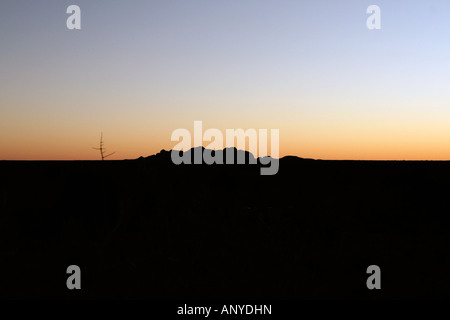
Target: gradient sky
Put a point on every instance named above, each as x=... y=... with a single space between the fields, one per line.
x=137 y=70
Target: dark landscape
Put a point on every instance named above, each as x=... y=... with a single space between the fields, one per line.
x=146 y=228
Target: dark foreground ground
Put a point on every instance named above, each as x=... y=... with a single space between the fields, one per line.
x=149 y=229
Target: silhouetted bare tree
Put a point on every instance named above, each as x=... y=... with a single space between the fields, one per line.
x=102 y=149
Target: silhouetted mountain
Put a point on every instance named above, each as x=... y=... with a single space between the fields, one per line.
x=165 y=156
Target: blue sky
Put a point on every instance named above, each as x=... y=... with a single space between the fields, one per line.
x=137 y=70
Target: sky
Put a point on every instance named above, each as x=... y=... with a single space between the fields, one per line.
x=138 y=70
